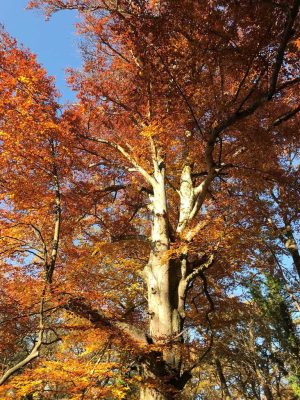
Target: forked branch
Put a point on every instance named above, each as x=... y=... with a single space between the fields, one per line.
x=128 y=157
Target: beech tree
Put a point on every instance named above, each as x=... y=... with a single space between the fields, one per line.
x=133 y=214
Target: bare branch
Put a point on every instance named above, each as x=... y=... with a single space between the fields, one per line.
x=181 y=92
x=287 y=33
x=286 y=116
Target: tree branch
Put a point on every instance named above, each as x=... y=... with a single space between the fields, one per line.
x=197 y=271
x=36 y=348
x=57 y=215
x=99 y=320
x=121 y=150
x=287 y=33
x=286 y=116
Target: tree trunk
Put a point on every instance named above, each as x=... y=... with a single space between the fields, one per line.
x=292 y=247
x=168 y=280
x=161 y=371
x=222 y=378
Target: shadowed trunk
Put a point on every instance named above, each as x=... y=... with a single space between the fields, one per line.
x=222 y=378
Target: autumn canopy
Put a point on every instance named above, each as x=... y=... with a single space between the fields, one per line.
x=149 y=231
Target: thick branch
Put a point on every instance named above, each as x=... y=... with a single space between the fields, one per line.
x=201 y=190
x=125 y=237
x=286 y=116
x=222 y=378
x=241 y=114
x=287 y=33
x=31 y=356
x=128 y=157
x=187 y=280
x=57 y=222
x=99 y=320
x=36 y=348
x=197 y=271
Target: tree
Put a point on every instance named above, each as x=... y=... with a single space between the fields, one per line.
x=251 y=357
x=30 y=192
x=160 y=166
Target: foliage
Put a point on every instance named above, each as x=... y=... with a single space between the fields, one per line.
x=149 y=231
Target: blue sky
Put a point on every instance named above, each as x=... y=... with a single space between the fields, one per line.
x=54 y=41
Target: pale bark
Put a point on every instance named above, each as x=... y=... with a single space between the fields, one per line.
x=191 y=199
x=168 y=281
x=35 y=351
x=165 y=321
x=291 y=245
x=148 y=393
